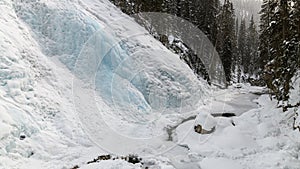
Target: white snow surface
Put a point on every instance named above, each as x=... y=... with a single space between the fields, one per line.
x=43 y=46
x=262 y=137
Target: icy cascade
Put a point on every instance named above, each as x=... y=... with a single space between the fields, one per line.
x=141 y=87
x=39 y=127
x=61 y=32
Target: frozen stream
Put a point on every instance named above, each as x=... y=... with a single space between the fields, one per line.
x=237 y=101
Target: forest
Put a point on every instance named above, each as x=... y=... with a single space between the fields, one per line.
x=263 y=53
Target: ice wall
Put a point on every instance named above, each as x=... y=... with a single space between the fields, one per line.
x=139 y=86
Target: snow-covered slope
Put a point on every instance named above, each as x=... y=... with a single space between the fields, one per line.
x=79 y=79
x=35 y=101
x=44 y=46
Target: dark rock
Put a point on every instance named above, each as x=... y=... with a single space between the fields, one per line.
x=223 y=114
x=228 y=114
x=75 y=167
x=133 y=159
x=100 y=158
x=198 y=129
x=22 y=136
x=130 y=158
x=104 y=157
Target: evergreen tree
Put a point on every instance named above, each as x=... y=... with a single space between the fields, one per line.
x=201 y=13
x=252 y=47
x=242 y=48
x=207 y=12
x=225 y=40
x=267 y=10
x=236 y=62
x=295 y=30
x=283 y=35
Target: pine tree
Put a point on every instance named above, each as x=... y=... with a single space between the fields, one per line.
x=237 y=27
x=207 y=18
x=236 y=73
x=283 y=35
x=242 y=47
x=216 y=24
x=225 y=39
x=295 y=30
x=252 y=47
x=267 y=10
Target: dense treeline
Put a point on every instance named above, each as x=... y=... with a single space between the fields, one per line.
x=202 y=13
x=279 y=44
x=269 y=55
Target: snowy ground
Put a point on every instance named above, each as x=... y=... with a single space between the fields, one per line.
x=39 y=46
x=262 y=136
